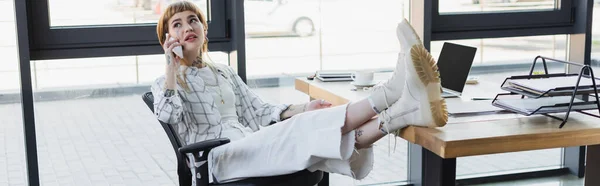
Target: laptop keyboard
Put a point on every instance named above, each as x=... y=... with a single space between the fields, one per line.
x=446 y=94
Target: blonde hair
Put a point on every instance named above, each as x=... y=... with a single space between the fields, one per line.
x=162 y=27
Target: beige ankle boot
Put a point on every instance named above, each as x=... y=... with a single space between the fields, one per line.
x=421 y=103
x=386 y=94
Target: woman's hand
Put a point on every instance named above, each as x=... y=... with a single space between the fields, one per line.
x=317 y=104
x=300 y=108
x=172 y=62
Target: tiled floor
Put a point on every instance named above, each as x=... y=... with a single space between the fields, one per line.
x=117 y=141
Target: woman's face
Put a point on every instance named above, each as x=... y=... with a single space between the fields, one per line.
x=187 y=28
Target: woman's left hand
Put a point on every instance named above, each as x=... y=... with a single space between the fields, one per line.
x=317 y=104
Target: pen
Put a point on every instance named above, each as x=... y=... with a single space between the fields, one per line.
x=479 y=98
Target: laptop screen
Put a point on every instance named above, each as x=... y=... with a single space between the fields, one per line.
x=454 y=65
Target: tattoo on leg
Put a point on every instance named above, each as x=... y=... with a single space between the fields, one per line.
x=359 y=132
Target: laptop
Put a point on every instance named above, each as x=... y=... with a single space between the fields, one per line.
x=454 y=65
x=331 y=76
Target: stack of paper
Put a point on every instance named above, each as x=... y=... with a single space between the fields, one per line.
x=531 y=105
x=541 y=85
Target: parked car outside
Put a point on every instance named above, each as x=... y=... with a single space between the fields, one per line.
x=281 y=17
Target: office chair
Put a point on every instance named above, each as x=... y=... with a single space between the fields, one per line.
x=301 y=178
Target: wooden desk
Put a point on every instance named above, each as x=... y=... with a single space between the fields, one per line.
x=478 y=135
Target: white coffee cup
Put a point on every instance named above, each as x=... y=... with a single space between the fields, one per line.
x=362 y=77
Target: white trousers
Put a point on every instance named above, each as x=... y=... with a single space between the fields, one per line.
x=311 y=140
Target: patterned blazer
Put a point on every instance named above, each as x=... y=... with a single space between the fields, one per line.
x=194 y=113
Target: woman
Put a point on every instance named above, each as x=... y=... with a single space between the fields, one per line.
x=206 y=101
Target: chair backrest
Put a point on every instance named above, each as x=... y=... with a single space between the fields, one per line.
x=185 y=176
x=149 y=100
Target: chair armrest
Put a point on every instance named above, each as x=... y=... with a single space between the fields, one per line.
x=203 y=145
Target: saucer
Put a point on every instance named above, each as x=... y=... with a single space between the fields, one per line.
x=370 y=84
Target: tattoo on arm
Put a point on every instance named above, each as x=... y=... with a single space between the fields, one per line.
x=168 y=59
x=293 y=110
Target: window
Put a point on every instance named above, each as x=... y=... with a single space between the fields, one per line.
x=62 y=12
x=595 y=56
x=12 y=158
x=287 y=39
x=467 y=6
x=366 y=40
x=82 y=70
x=464 y=22
x=504 y=163
x=92 y=125
x=107 y=30
x=92 y=73
x=283 y=37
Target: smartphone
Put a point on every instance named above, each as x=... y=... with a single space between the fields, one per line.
x=177 y=50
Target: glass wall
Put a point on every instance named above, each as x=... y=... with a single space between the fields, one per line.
x=12 y=146
x=596 y=39
x=96 y=72
x=294 y=38
x=495 y=60
x=346 y=41
x=493 y=52
x=282 y=37
x=300 y=37
x=93 y=126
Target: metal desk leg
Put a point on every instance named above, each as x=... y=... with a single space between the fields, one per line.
x=438 y=171
x=592 y=167
x=574 y=158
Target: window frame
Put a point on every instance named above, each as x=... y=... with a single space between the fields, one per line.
x=60 y=42
x=462 y=25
